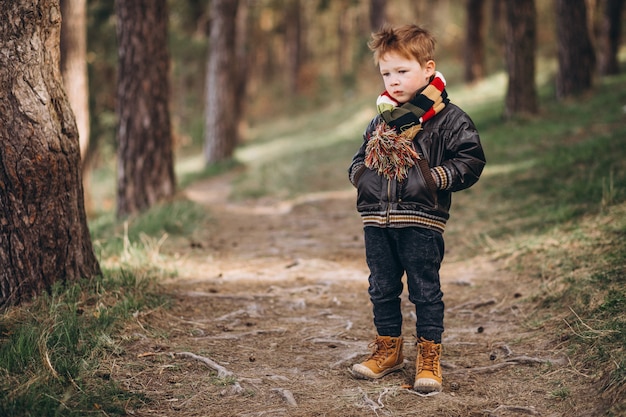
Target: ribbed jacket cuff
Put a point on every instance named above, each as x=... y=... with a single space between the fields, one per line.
x=355 y=172
x=442 y=177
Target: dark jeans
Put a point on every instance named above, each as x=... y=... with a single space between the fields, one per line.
x=418 y=252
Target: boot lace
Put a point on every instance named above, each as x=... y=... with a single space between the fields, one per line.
x=380 y=349
x=429 y=356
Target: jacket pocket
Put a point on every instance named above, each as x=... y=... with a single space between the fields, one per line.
x=419 y=187
x=369 y=190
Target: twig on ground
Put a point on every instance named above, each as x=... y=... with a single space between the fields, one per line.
x=369 y=402
x=515 y=408
x=380 y=397
x=287 y=396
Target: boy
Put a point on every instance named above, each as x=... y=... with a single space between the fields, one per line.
x=415 y=153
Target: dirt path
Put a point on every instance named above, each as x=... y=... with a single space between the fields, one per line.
x=276 y=294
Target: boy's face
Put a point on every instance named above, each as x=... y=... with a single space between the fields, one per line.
x=403 y=76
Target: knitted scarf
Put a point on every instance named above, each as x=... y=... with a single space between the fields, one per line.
x=390 y=149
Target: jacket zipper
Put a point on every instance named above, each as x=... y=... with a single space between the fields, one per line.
x=388 y=201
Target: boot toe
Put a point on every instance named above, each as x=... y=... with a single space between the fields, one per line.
x=427 y=385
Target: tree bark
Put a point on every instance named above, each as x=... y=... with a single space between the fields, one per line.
x=145 y=150
x=221 y=119
x=609 y=36
x=44 y=236
x=575 y=53
x=521 y=40
x=474 y=42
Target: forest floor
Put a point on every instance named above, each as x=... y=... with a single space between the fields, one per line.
x=273 y=295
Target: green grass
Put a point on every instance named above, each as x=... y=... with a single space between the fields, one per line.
x=51 y=348
x=138 y=240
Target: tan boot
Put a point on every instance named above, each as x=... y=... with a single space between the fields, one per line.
x=427 y=367
x=386 y=357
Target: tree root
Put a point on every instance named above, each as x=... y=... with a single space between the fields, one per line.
x=221 y=371
x=518 y=360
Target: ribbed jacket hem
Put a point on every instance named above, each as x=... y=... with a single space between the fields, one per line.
x=404 y=218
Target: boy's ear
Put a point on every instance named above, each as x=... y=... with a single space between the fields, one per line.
x=430 y=67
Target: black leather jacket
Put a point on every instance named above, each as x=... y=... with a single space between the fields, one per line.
x=452 y=160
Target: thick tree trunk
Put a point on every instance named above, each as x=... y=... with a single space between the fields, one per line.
x=575 y=52
x=610 y=32
x=44 y=236
x=474 y=42
x=221 y=118
x=145 y=150
x=521 y=39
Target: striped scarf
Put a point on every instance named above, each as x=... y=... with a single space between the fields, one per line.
x=390 y=149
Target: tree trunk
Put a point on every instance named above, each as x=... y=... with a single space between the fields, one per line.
x=377 y=14
x=575 y=52
x=44 y=236
x=521 y=39
x=74 y=65
x=474 y=42
x=75 y=78
x=220 y=116
x=145 y=155
x=244 y=24
x=293 y=42
x=609 y=38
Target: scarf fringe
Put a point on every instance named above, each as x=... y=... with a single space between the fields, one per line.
x=390 y=153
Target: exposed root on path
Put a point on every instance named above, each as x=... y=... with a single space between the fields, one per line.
x=221 y=371
x=518 y=360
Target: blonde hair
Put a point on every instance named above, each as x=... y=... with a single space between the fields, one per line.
x=409 y=41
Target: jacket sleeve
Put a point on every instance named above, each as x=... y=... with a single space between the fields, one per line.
x=464 y=160
x=357 y=166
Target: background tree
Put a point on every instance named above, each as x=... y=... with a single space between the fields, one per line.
x=145 y=148
x=574 y=49
x=221 y=119
x=293 y=35
x=474 y=42
x=521 y=40
x=377 y=14
x=43 y=227
x=74 y=65
x=609 y=36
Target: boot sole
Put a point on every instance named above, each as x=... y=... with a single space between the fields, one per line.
x=426 y=385
x=363 y=372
